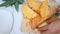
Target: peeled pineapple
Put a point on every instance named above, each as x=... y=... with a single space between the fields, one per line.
x=46 y=10
x=28 y=12
x=34 y=4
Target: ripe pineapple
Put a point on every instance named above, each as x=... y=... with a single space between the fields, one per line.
x=28 y=12
x=34 y=5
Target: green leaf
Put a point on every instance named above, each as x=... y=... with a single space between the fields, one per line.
x=21 y=1
x=6 y=0
x=11 y=3
x=17 y=6
x=4 y=4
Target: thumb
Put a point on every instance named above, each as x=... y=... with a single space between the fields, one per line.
x=42 y=29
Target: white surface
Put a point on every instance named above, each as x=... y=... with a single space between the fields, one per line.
x=6 y=21
x=17 y=21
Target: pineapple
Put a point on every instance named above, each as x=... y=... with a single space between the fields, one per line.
x=35 y=5
x=28 y=12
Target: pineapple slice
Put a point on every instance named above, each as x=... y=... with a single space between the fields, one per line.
x=27 y=12
x=34 y=4
x=35 y=21
x=44 y=11
x=43 y=24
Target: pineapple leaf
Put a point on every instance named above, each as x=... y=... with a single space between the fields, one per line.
x=17 y=6
x=11 y=3
x=4 y=4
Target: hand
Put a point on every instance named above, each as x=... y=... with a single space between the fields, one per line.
x=53 y=28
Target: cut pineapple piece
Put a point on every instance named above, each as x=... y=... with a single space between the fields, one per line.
x=44 y=11
x=43 y=24
x=47 y=8
x=35 y=21
x=34 y=4
x=27 y=12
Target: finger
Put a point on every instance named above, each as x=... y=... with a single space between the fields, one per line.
x=42 y=29
x=58 y=8
x=49 y=21
x=46 y=28
x=51 y=32
x=52 y=19
x=53 y=28
x=47 y=32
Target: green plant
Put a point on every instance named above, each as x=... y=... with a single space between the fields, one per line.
x=16 y=3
